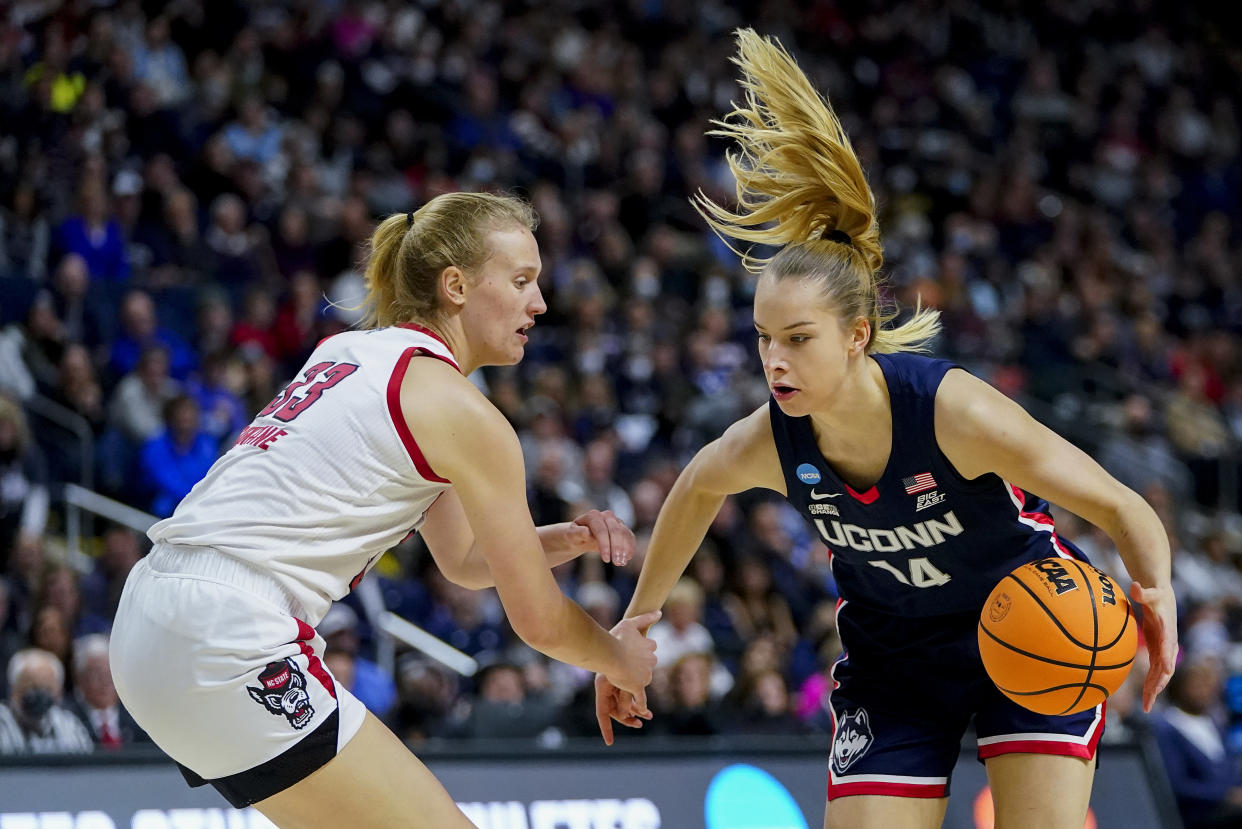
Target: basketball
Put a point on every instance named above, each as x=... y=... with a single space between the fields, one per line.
x=1057 y=636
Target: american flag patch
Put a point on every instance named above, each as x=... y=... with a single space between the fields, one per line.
x=918 y=483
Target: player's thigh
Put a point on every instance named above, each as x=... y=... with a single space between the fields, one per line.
x=374 y=781
x=870 y=811
x=1046 y=790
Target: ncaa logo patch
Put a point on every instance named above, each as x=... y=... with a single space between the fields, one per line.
x=284 y=692
x=852 y=740
x=809 y=474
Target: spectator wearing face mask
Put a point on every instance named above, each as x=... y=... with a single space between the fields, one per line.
x=34 y=721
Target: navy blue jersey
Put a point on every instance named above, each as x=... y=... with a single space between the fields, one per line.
x=924 y=541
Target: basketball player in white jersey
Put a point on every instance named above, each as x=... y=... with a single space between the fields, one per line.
x=214 y=649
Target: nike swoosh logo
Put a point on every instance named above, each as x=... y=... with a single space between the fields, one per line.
x=819 y=497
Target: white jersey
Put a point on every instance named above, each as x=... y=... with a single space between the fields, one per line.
x=326 y=478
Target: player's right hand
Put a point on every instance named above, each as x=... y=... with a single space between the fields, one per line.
x=611 y=703
x=637 y=657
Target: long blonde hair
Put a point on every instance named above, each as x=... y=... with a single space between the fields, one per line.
x=800 y=186
x=409 y=251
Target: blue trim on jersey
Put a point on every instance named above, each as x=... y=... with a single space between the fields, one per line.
x=924 y=541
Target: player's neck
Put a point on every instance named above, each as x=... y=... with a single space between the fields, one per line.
x=451 y=333
x=861 y=415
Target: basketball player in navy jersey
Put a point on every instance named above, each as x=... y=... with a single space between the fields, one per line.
x=926 y=484
x=214 y=650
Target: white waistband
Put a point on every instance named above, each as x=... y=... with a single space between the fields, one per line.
x=208 y=563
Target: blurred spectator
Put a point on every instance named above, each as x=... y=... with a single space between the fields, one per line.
x=253 y=136
x=601 y=491
x=172 y=462
x=426 y=694
x=60 y=590
x=756 y=607
x=23 y=488
x=24 y=235
x=689 y=710
x=680 y=632
x=137 y=404
x=51 y=630
x=34 y=721
x=101 y=587
x=1139 y=455
x=94 y=701
x=502 y=708
x=763 y=706
x=11 y=641
x=159 y=63
x=1199 y=433
x=81 y=312
x=1209 y=574
x=366 y=680
x=94 y=234
x=1202 y=770
x=139 y=331
x=215 y=389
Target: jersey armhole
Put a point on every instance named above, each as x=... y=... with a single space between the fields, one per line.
x=398 y=416
x=987 y=480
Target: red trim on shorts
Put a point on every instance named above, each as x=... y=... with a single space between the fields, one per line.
x=398 y=419
x=1056 y=747
x=836 y=790
x=316 y=668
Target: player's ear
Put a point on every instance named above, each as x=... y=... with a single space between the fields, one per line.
x=452 y=286
x=860 y=335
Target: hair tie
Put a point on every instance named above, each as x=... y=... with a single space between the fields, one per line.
x=409 y=219
x=839 y=235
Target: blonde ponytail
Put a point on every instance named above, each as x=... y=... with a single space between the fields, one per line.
x=409 y=251
x=801 y=186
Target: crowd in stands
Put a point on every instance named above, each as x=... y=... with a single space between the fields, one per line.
x=185 y=189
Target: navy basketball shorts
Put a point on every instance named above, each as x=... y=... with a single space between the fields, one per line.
x=211 y=657
x=904 y=693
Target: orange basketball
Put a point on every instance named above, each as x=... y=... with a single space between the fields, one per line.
x=1057 y=636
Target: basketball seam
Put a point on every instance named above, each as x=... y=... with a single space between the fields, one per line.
x=1052 y=688
x=1082 y=690
x=1095 y=624
x=1051 y=615
x=1049 y=660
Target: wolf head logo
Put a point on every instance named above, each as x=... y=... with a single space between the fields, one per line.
x=852 y=740
x=283 y=691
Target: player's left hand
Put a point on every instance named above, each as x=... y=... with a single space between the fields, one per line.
x=601 y=530
x=1160 y=633
x=611 y=703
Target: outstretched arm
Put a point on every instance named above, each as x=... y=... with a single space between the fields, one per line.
x=452 y=544
x=743 y=458
x=466 y=440
x=980 y=430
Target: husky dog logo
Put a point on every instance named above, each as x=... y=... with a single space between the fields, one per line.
x=284 y=692
x=852 y=740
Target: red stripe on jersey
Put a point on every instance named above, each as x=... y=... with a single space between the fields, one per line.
x=413 y=326
x=867 y=497
x=316 y=668
x=398 y=418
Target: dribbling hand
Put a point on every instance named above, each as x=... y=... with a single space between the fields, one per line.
x=601 y=530
x=1160 y=634
x=611 y=703
x=637 y=657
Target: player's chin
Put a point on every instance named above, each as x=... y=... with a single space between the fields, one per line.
x=795 y=406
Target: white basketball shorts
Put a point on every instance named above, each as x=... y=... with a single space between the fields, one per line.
x=212 y=658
